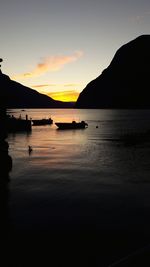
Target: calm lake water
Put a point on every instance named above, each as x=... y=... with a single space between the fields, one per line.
x=83 y=178
x=91 y=155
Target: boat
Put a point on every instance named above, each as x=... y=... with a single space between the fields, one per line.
x=42 y=122
x=71 y=125
x=17 y=124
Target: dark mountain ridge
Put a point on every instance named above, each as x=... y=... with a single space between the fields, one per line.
x=20 y=96
x=125 y=82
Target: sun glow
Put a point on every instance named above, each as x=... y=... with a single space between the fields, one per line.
x=66 y=96
x=67 y=93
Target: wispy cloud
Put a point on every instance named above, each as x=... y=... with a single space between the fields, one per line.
x=42 y=85
x=139 y=18
x=71 y=85
x=50 y=64
x=54 y=84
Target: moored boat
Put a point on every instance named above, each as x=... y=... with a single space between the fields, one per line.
x=17 y=124
x=71 y=125
x=42 y=122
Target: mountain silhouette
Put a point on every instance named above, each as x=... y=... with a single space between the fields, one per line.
x=20 y=96
x=125 y=82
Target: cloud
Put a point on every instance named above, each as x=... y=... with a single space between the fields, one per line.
x=50 y=64
x=42 y=85
x=71 y=85
x=54 y=84
x=139 y=18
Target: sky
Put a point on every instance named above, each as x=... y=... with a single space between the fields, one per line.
x=58 y=46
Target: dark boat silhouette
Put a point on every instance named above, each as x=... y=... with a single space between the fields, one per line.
x=71 y=125
x=18 y=124
x=42 y=122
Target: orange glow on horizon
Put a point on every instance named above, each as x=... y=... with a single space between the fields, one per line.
x=65 y=96
x=69 y=95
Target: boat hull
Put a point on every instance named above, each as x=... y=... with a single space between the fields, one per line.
x=18 y=125
x=42 y=122
x=72 y=125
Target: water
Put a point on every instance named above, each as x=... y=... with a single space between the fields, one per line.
x=83 y=179
x=92 y=154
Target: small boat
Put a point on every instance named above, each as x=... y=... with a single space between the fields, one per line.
x=71 y=125
x=42 y=122
x=17 y=124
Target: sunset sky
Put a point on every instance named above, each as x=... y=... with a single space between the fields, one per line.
x=58 y=46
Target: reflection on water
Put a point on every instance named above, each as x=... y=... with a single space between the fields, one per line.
x=84 y=179
x=94 y=151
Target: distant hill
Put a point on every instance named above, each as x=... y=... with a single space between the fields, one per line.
x=126 y=81
x=20 y=96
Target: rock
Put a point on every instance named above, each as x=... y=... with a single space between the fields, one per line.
x=125 y=82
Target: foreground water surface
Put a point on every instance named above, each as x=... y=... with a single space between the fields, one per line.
x=94 y=154
x=83 y=179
